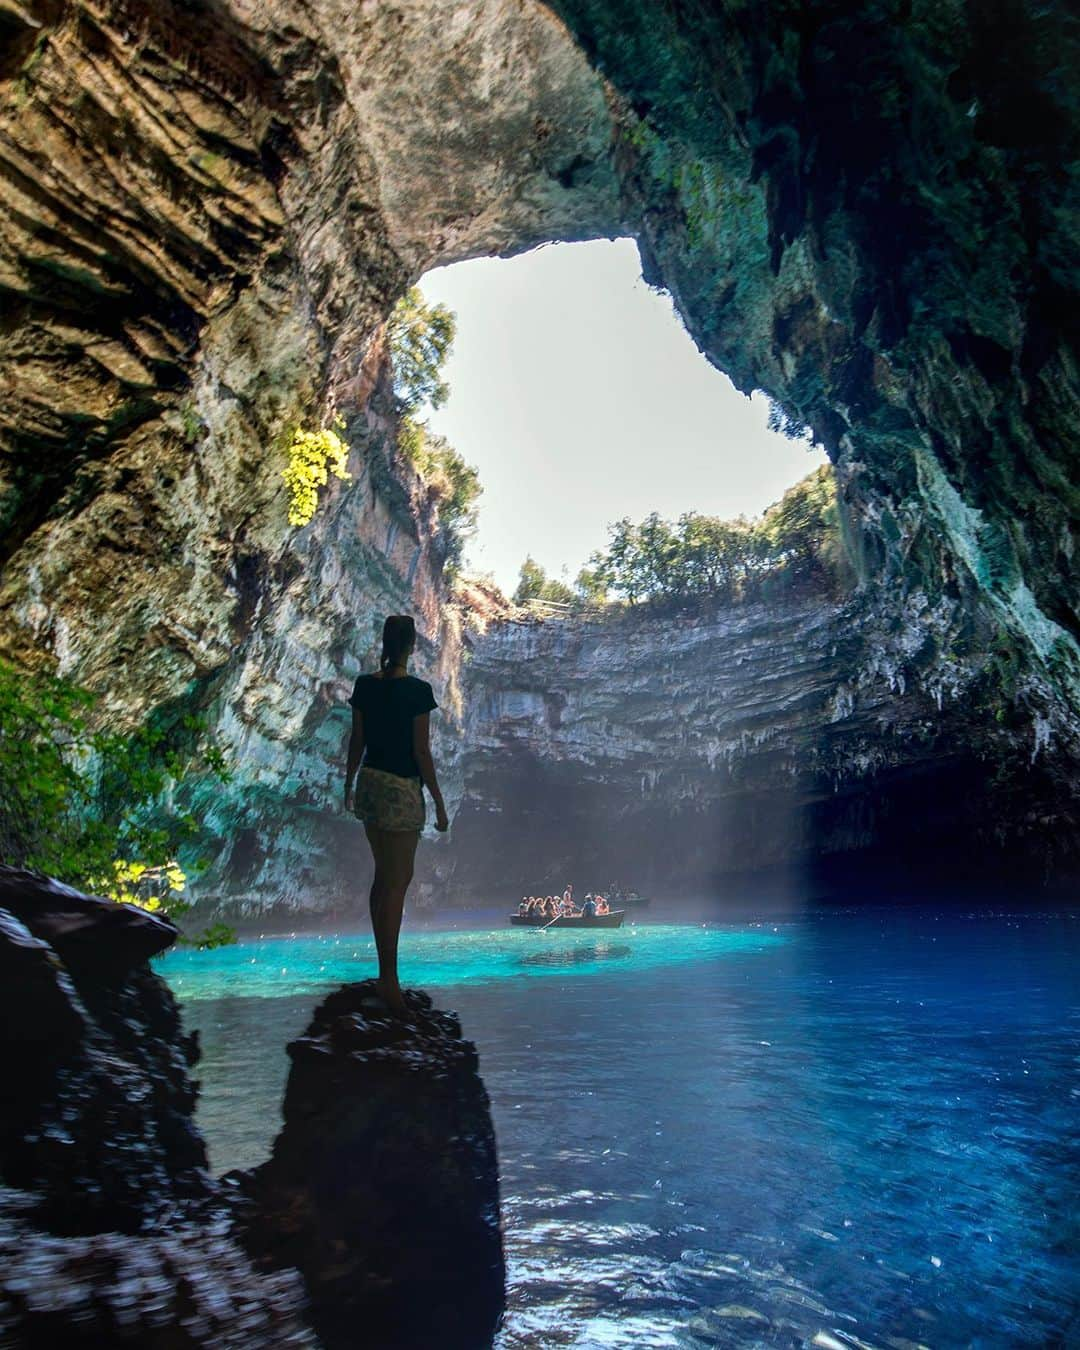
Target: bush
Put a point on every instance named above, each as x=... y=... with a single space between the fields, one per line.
x=83 y=806
x=535 y=584
x=313 y=456
x=453 y=484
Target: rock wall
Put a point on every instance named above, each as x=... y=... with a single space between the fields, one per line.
x=798 y=744
x=869 y=211
x=208 y=210
x=112 y=1232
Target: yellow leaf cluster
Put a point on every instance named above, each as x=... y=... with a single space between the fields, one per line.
x=126 y=878
x=313 y=456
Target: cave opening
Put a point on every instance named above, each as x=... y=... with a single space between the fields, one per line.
x=580 y=397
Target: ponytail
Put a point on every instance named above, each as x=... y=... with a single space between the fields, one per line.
x=398 y=638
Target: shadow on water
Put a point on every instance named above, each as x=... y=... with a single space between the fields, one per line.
x=574 y=956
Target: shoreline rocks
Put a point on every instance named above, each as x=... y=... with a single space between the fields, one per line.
x=112 y=1229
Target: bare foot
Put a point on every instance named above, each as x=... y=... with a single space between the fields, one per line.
x=392 y=996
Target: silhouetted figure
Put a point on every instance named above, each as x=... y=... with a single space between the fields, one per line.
x=390 y=745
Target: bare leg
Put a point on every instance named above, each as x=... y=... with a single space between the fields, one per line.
x=394 y=852
x=377 y=881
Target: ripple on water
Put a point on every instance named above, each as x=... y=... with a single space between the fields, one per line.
x=283 y=966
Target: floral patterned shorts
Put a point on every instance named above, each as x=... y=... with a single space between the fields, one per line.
x=387 y=801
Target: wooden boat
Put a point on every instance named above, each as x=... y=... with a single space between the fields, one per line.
x=612 y=920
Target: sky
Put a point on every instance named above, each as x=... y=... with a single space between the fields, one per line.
x=579 y=396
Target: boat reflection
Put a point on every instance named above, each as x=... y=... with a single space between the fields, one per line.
x=574 y=956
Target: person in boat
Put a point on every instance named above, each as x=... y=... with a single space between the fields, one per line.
x=602 y=906
x=390 y=747
x=523 y=907
x=568 y=897
x=588 y=909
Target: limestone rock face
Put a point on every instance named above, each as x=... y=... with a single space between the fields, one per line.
x=869 y=211
x=383 y=1185
x=207 y=210
x=813 y=741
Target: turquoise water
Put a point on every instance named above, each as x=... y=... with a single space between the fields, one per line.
x=839 y=1129
x=282 y=966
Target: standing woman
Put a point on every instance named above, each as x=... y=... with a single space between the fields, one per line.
x=390 y=736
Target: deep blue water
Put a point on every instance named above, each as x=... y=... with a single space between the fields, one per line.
x=842 y=1129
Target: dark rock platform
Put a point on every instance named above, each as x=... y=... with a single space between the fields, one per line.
x=375 y=1220
x=382 y=1187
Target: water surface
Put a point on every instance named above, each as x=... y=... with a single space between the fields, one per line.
x=843 y=1129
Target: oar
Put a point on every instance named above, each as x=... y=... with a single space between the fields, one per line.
x=549 y=923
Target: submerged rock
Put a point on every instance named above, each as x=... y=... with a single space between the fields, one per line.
x=382 y=1188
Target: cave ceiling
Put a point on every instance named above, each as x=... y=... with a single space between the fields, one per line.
x=208 y=209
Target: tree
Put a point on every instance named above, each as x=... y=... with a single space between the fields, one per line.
x=420 y=338
x=803 y=528
x=83 y=805
x=797 y=538
x=590 y=586
x=535 y=584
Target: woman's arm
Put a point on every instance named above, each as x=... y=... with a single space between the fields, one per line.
x=422 y=751
x=356 y=753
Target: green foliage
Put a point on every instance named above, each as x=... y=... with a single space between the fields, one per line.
x=798 y=539
x=803 y=528
x=420 y=337
x=453 y=484
x=190 y=421
x=535 y=584
x=313 y=456
x=84 y=805
x=784 y=424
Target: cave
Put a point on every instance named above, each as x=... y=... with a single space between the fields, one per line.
x=868 y=211
x=211 y=210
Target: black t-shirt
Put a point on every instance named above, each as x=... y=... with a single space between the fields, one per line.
x=389 y=706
